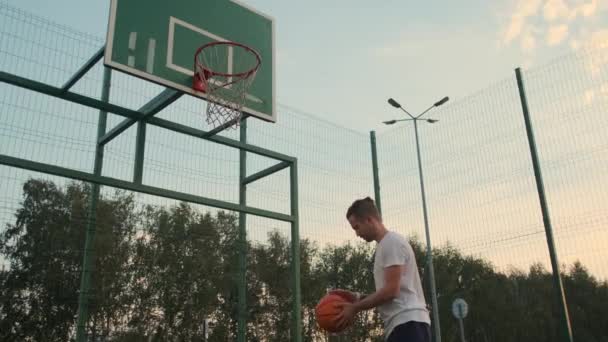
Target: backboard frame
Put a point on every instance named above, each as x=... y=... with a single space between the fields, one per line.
x=128 y=66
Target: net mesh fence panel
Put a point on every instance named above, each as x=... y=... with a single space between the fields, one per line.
x=169 y=270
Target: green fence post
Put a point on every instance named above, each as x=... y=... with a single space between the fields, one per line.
x=372 y=138
x=242 y=277
x=295 y=255
x=88 y=263
x=557 y=279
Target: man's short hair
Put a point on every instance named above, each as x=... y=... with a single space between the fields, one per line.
x=363 y=208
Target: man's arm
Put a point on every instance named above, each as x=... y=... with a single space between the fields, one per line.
x=392 y=277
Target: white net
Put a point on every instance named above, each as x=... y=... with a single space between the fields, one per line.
x=225 y=71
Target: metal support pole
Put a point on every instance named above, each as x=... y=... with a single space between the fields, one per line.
x=88 y=263
x=566 y=330
x=296 y=333
x=372 y=138
x=135 y=115
x=461 y=323
x=266 y=172
x=461 y=327
x=429 y=249
x=146 y=112
x=146 y=189
x=242 y=269
x=84 y=69
x=140 y=145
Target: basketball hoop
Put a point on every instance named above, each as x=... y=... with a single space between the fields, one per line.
x=225 y=71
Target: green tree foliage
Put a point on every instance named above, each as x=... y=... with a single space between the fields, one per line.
x=44 y=247
x=161 y=272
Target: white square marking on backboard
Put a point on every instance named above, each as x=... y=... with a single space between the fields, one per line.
x=174 y=21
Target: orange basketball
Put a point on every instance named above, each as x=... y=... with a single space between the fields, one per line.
x=326 y=312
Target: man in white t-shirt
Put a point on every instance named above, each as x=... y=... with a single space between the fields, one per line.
x=399 y=296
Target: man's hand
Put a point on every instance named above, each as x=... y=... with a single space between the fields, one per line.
x=346 y=317
x=348 y=296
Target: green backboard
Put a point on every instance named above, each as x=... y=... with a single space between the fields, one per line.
x=157 y=39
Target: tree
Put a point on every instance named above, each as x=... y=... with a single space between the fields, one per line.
x=181 y=266
x=44 y=250
x=160 y=272
x=587 y=299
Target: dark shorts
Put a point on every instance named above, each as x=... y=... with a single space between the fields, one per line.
x=411 y=332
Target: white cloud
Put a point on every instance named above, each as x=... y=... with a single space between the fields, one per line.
x=527 y=8
x=593 y=45
x=589 y=96
x=604 y=89
x=589 y=9
x=575 y=44
x=528 y=42
x=555 y=10
x=556 y=34
x=534 y=24
x=523 y=10
x=514 y=29
x=598 y=39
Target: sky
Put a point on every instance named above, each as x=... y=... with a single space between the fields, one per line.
x=341 y=60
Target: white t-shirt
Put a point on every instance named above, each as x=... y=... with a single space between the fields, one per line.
x=410 y=304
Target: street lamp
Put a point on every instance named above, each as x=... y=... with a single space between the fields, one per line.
x=415 y=119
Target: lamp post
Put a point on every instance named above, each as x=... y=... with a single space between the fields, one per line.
x=415 y=119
